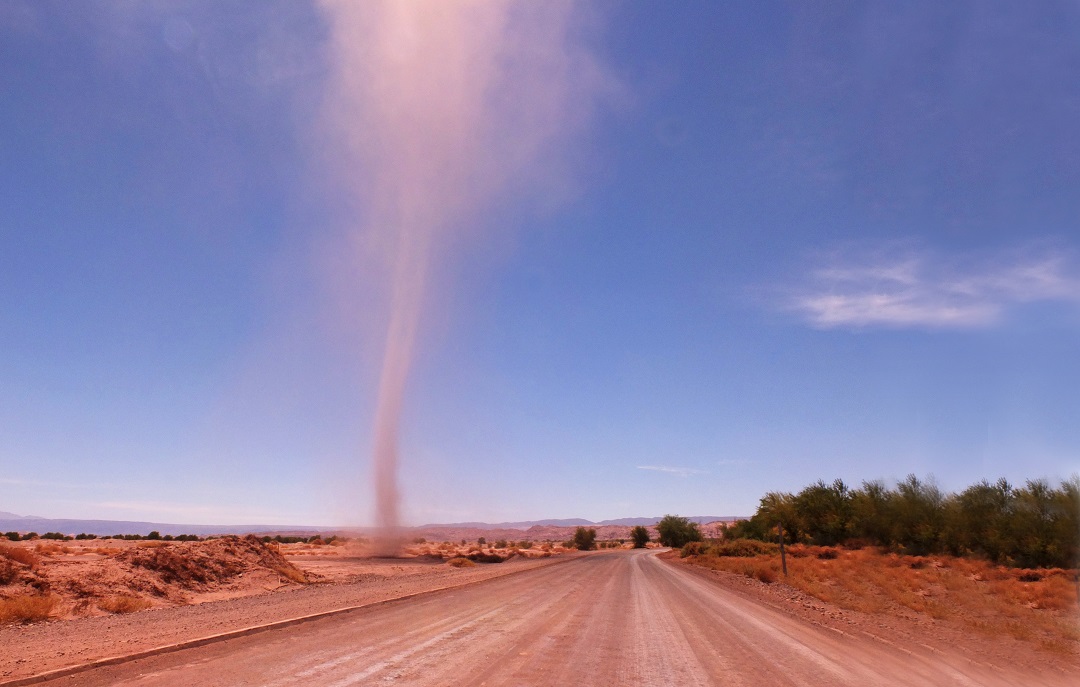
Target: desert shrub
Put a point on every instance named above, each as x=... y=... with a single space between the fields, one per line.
x=19 y=555
x=123 y=603
x=481 y=541
x=9 y=572
x=525 y=544
x=48 y=548
x=290 y=539
x=482 y=557
x=53 y=535
x=640 y=536
x=152 y=544
x=744 y=548
x=765 y=574
x=677 y=532
x=461 y=563
x=419 y=540
x=12 y=536
x=27 y=608
x=500 y=544
x=828 y=553
x=584 y=539
x=82 y=536
x=694 y=548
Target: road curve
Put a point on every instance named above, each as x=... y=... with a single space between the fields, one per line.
x=613 y=618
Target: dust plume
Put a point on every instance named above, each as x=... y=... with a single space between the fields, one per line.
x=441 y=108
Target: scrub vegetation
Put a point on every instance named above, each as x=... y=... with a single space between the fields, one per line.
x=993 y=558
x=1034 y=526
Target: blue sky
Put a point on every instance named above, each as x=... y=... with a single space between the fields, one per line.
x=786 y=241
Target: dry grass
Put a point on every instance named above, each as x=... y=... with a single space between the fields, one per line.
x=48 y=549
x=1034 y=605
x=151 y=544
x=291 y=573
x=123 y=603
x=19 y=555
x=461 y=563
x=27 y=608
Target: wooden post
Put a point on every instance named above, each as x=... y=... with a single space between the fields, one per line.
x=783 y=558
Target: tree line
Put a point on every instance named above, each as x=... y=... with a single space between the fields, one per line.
x=1037 y=525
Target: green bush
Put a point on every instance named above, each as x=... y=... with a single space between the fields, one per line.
x=744 y=548
x=677 y=532
x=1033 y=526
x=584 y=539
x=694 y=548
x=640 y=536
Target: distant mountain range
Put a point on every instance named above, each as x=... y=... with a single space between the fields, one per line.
x=30 y=523
x=576 y=522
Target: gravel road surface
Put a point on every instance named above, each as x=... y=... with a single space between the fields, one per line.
x=612 y=618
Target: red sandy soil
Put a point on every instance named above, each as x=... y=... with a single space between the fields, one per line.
x=898 y=627
x=196 y=589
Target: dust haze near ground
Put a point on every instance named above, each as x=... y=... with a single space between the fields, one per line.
x=440 y=107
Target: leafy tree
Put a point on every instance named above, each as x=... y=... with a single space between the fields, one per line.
x=978 y=520
x=640 y=536
x=584 y=539
x=778 y=508
x=823 y=513
x=871 y=512
x=676 y=531
x=918 y=516
x=1035 y=526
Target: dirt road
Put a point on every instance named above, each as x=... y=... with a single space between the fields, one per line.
x=613 y=618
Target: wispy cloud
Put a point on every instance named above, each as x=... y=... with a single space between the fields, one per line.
x=921 y=289
x=672 y=470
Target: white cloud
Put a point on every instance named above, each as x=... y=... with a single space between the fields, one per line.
x=921 y=289
x=671 y=470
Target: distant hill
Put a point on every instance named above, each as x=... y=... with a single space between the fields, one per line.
x=575 y=522
x=523 y=525
x=10 y=522
x=18 y=523
x=699 y=519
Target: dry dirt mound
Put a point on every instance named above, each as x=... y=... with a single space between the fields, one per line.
x=81 y=580
x=194 y=565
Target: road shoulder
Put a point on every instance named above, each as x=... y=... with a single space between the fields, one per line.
x=917 y=634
